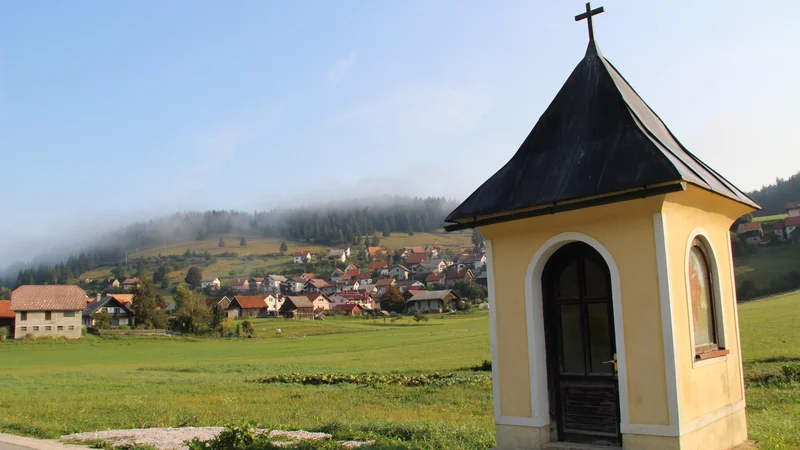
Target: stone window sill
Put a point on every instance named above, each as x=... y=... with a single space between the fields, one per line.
x=712 y=354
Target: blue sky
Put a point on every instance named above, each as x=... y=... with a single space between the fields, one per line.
x=112 y=112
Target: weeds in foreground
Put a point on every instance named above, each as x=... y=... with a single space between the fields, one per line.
x=374 y=379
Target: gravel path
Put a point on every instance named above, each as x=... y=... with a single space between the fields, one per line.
x=173 y=438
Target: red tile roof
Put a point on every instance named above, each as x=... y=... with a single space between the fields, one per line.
x=374 y=251
x=123 y=298
x=5 y=310
x=308 y=275
x=316 y=295
x=48 y=298
x=792 y=221
x=131 y=281
x=303 y=254
x=748 y=227
x=385 y=282
x=434 y=277
x=456 y=274
x=250 y=301
x=378 y=265
x=363 y=276
x=416 y=258
x=239 y=282
x=416 y=250
x=351 y=273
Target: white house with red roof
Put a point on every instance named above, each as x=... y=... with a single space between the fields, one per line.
x=48 y=311
x=751 y=233
x=240 y=284
x=301 y=257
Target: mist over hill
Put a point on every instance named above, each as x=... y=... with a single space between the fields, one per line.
x=333 y=223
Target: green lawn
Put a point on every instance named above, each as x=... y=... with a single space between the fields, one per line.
x=49 y=389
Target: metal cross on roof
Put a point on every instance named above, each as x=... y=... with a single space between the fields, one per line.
x=588 y=16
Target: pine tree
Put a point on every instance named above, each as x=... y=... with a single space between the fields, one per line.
x=243 y=242
x=221 y=243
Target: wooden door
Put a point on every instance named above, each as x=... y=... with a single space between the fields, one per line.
x=581 y=349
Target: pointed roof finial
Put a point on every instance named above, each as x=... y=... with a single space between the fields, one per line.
x=588 y=16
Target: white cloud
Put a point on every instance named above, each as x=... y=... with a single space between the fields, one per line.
x=340 y=69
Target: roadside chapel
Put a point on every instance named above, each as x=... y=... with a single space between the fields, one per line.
x=612 y=297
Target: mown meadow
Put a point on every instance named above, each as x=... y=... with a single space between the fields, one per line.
x=51 y=389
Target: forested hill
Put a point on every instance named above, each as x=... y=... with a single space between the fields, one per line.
x=774 y=197
x=333 y=224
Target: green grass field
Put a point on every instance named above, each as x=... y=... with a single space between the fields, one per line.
x=773 y=218
x=49 y=389
x=767 y=264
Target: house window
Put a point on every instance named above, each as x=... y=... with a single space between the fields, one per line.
x=24 y=328
x=48 y=328
x=48 y=315
x=703 y=302
x=69 y=313
x=59 y=328
x=23 y=316
x=71 y=328
x=35 y=328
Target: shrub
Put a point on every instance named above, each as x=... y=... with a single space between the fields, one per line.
x=375 y=379
x=4 y=333
x=248 y=328
x=419 y=317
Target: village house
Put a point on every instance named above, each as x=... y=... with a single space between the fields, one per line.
x=482 y=279
x=220 y=302
x=776 y=229
x=430 y=301
x=121 y=313
x=409 y=284
x=349 y=309
x=351 y=272
x=212 y=283
x=112 y=283
x=315 y=285
x=301 y=257
x=240 y=284
x=434 y=249
x=793 y=209
x=274 y=303
x=337 y=275
x=415 y=259
x=369 y=288
x=435 y=279
x=338 y=254
x=790 y=224
x=320 y=301
x=384 y=284
x=125 y=299
x=374 y=252
x=255 y=284
x=250 y=306
x=131 y=283
x=364 y=278
x=750 y=233
x=366 y=301
x=274 y=283
x=7 y=316
x=297 y=307
x=295 y=285
x=399 y=272
x=455 y=276
x=48 y=311
x=307 y=276
x=429 y=267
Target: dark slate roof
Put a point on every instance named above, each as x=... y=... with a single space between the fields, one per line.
x=597 y=137
x=96 y=304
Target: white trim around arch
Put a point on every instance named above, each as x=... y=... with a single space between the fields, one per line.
x=535 y=324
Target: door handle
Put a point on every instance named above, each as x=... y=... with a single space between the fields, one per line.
x=614 y=362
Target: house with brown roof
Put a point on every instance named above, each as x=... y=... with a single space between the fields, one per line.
x=297 y=307
x=6 y=316
x=337 y=254
x=314 y=285
x=240 y=284
x=385 y=282
x=220 y=302
x=274 y=282
x=415 y=259
x=380 y=266
x=210 y=283
x=247 y=306
x=307 y=276
x=301 y=257
x=48 y=311
x=349 y=309
x=131 y=283
x=296 y=284
x=121 y=313
x=434 y=249
x=750 y=233
x=320 y=301
x=434 y=279
x=374 y=252
x=256 y=284
x=455 y=276
x=793 y=209
x=430 y=301
x=337 y=275
x=123 y=298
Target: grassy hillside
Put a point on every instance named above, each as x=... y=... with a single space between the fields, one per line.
x=50 y=389
x=265 y=253
x=766 y=265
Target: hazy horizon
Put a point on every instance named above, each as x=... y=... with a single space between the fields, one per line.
x=114 y=113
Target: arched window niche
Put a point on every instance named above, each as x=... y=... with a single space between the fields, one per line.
x=704 y=300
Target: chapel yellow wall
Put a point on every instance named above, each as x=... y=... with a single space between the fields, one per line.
x=626 y=231
x=706 y=389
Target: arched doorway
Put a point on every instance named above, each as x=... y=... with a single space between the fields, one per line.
x=583 y=388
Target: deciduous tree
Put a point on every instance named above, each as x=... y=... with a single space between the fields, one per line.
x=193 y=277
